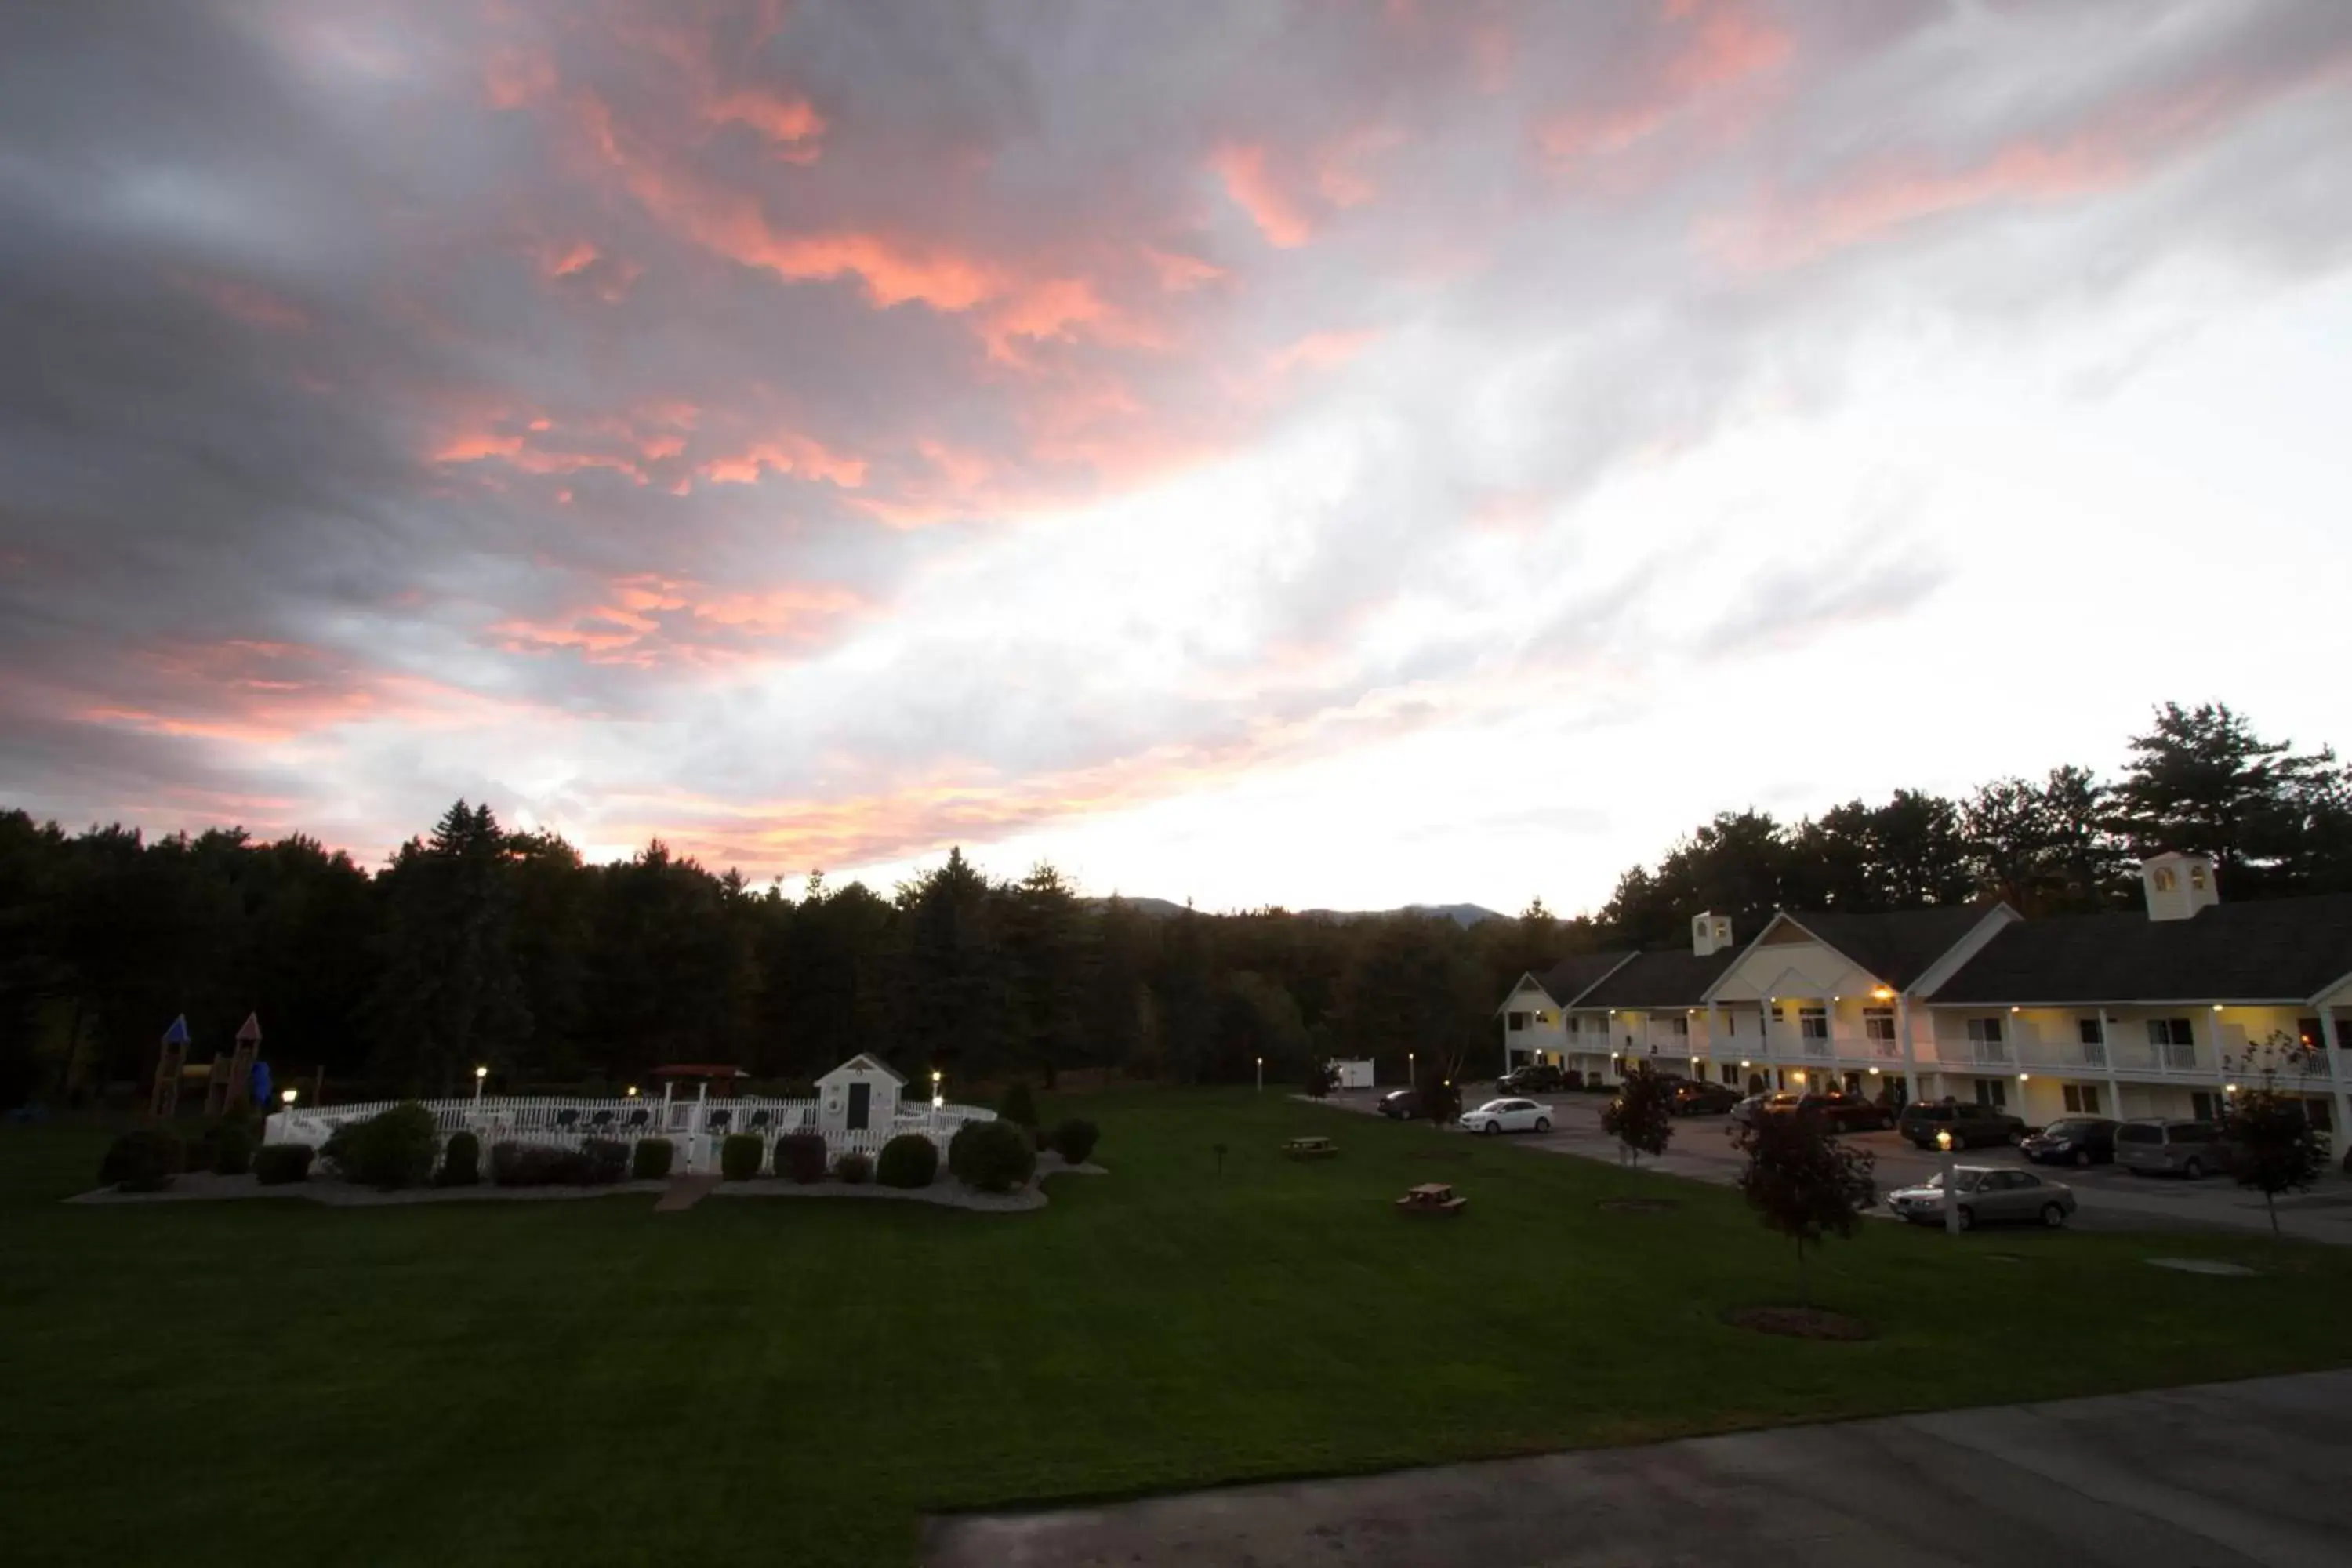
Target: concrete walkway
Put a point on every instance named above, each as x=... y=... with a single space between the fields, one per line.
x=2221 y=1475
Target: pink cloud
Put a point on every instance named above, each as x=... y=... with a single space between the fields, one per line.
x=1277 y=214
x=249 y=304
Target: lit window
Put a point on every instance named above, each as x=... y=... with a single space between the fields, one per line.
x=2163 y=880
x=1878 y=1022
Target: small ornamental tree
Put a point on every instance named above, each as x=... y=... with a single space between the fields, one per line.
x=1441 y=1101
x=1642 y=1117
x=1803 y=1181
x=2273 y=1146
x=1322 y=1077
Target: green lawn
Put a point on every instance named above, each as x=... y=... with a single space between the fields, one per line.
x=797 y=1381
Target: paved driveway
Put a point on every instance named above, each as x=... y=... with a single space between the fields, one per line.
x=2243 y=1475
x=2111 y=1198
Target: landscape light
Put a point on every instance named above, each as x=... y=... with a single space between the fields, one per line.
x=482 y=1072
x=633 y=1091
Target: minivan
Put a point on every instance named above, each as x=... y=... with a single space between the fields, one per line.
x=2169 y=1148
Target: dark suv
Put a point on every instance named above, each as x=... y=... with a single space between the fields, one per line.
x=1969 y=1124
x=1529 y=1079
x=1848 y=1112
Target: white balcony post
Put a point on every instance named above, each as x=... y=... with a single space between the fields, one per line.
x=1910 y=1055
x=2342 y=1091
x=2212 y=1016
x=2107 y=1056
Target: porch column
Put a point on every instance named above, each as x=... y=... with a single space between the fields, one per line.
x=2107 y=1055
x=2212 y=1016
x=1910 y=1055
x=1714 y=1038
x=2338 y=1067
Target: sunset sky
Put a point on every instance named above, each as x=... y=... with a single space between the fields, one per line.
x=1322 y=453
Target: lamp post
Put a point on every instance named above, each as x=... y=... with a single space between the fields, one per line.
x=938 y=1102
x=481 y=1075
x=1951 y=1183
x=1261 y=1075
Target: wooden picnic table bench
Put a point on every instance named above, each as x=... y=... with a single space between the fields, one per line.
x=1430 y=1197
x=1310 y=1148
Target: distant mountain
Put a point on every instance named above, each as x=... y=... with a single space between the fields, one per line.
x=1160 y=907
x=1464 y=915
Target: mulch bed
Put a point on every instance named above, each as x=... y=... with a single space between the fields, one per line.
x=1800 y=1323
x=1639 y=1205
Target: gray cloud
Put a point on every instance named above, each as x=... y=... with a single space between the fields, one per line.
x=373 y=368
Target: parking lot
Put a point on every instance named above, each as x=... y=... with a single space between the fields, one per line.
x=2110 y=1197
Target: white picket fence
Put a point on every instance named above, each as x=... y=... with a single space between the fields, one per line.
x=696 y=1127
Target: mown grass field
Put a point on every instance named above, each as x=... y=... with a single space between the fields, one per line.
x=791 y=1380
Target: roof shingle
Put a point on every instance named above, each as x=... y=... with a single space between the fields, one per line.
x=1672 y=977
x=2275 y=950
x=1897 y=946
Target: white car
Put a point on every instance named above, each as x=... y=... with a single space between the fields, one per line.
x=1508 y=1116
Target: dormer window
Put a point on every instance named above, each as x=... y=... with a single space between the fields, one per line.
x=2164 y=879
x=2197 y=877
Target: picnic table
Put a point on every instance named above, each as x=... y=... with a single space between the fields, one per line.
x=1310 y=1147
x=1431 y=1198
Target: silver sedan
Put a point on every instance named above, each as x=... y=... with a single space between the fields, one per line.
x=1987 y=1195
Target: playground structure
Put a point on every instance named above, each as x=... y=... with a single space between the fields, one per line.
x=227 y=1079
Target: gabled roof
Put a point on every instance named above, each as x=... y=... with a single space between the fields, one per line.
x=1572 y=976
x=1896 y=946
x=1672 y=977
x=861 y=1065
x=2275 y=950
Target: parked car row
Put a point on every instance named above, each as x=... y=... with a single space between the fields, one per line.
x=2149 y=1146
x=1841 y=1111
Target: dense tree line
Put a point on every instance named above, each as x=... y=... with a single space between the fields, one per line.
x=476 y=944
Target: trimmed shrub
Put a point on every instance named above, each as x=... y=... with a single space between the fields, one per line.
x=537 y=1165
x=141 y=1162
x=282 y=1164
x=608 y=1161
x=997 y=1156
x=394 y=1148
x=857 y=1167
x=233 y=1148
x=741 y=1154
x=960 y=1150
x=909 y=1160
x=461 y=1162
x=801 y=1156
x=506 y=1162
x=336 y=1152
x=652 y=1159
x=1074 y=1140
x=1017 y=1104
